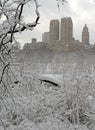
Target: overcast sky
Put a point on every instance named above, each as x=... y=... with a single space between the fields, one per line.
x=81 y=11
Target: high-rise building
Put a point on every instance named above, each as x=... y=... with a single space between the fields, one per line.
x=45 y=37
x=54 y=31
x=66 y=30
x=85 y=35
x=62 y=39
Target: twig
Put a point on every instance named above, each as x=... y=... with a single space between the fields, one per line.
x=3 y=72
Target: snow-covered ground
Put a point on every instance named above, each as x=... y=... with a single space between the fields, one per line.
x=41 y=107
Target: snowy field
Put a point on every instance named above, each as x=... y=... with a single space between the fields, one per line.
x=49 y=102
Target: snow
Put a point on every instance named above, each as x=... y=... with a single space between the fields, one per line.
x=56 y=78
x=36 y=109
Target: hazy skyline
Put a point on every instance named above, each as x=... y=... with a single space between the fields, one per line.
x=82 y=12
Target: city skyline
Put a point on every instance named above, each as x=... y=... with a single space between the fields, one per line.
x=82 y=12
x=60 y=37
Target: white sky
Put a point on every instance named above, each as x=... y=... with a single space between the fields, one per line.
x=81 y=11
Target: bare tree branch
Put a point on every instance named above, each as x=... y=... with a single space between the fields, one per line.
x=3 y=72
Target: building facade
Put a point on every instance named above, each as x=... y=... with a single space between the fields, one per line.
x=54 y=31
x=85 y=35
x=45 y=37
x=66 y=30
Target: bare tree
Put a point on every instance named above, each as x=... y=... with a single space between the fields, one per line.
x=61 y=2
x=11 y=12
x=11 y=22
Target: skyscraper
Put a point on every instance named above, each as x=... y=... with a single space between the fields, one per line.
x=62 y=39
x=85 y=35
x=66 y=30
x=45 y=37
x=54 y=31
